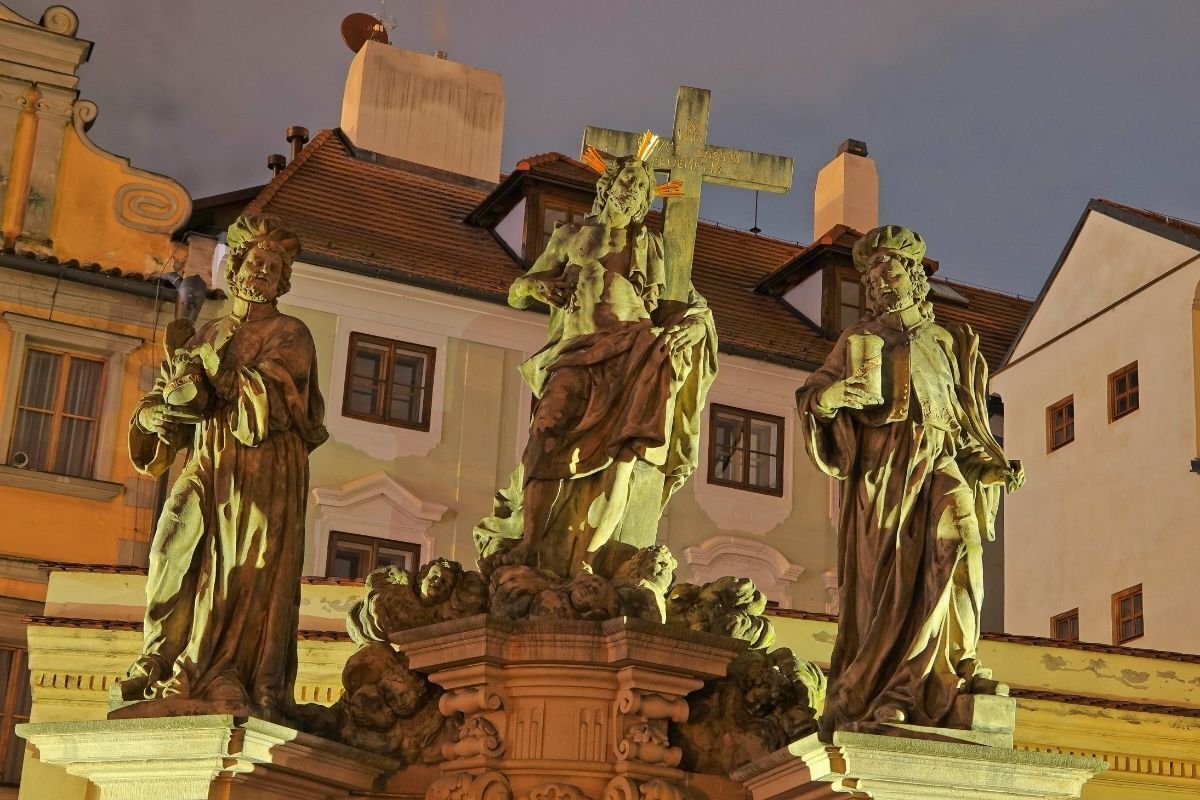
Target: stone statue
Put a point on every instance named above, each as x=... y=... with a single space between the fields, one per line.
x=619 y=386
x=222 y=599
x=899 y=413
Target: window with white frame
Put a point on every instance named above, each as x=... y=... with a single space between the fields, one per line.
x=65 y=384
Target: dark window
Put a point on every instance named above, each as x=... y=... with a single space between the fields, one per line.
x=550 y=210
x=353 y=556
x=1127 y=615
x=389 y=382
x=745 y=450
x=1060 y=423
x=14 y=686
x=58 y=412
x=1123 y=392
x=851 y=302
x=1065 y=626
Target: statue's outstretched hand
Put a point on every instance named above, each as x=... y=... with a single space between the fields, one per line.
x=1011 y=475
x=847 y=393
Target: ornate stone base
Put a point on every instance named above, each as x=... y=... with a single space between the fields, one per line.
x=566 y=709
x=897 y=768
x=197 y=758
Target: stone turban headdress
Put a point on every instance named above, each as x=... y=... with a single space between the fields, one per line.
x=888 y=237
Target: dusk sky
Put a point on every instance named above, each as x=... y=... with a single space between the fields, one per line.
x=992 y=124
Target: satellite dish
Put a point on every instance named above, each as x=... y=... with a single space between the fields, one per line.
x=358 y=29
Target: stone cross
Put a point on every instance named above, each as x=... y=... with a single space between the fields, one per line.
x=688 y=158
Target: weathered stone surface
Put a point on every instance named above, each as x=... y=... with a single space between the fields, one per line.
x=899 y=412
x=241 y=396
x=565 y=706
x=188 y=758
x=897 y=768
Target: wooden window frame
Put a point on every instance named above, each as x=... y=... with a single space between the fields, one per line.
x=833 y=278
x=1117 y=619
x=8 y=715
x=1069 y=400
x=392 y=344
x=746 y=415
x=533 y=241
x=1063 y=617
x=375 y=543
x=57 y=414
x=1128 y=369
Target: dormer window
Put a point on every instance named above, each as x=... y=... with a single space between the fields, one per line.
x=851 y=302
x=548 y=211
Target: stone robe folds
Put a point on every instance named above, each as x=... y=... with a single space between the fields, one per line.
x=913 y=512
x=609 y=393
x=223 y=596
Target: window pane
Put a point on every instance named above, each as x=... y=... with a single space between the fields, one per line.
x=727 y=430
x=75 y=443
x=39 y=382
x=847 y=316
x=408 y=377
x=396 y=557
x=408 y=369
x=83 y=387
x=350 y=560
x=764 y=436
x=369 y=359
x=727 y=464
x=1133 y=379
x=762 y=471
x=364 y=395
x=850 y=293
x=31 y=436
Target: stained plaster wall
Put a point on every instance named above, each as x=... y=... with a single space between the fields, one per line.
x=480 y=419
x=1117 y=506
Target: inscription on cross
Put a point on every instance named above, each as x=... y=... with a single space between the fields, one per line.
x=687 y=157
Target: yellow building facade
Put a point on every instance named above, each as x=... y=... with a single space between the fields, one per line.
x=84 y=241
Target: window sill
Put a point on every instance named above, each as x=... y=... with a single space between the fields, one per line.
x=86 y=488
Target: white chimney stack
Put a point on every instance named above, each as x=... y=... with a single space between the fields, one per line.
x=425 y=109
x=847 y=191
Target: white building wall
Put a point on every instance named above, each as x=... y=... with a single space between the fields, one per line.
x=1119 y=505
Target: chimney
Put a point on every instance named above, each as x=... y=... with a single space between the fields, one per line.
x=425 y=109
x=297 y=137
x=847 y=191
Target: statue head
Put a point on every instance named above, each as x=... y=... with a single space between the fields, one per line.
x=654 y=566
x=258 y=263
x=889 y=260
x=437 y=579
x=626 y=186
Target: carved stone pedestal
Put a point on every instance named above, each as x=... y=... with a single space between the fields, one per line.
x=898 y=768
x=215 y=757
x=566 y=709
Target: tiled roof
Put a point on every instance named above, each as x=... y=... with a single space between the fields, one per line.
x=995 y=316
x=154 y=282
x=398 y=223
x=361 y=213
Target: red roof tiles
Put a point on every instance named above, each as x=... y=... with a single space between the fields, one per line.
x=357 y=212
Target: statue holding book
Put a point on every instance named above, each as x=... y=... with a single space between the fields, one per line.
x=899 y=413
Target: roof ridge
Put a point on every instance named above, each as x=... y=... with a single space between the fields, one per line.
x=316 y=143
x=529 y=162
